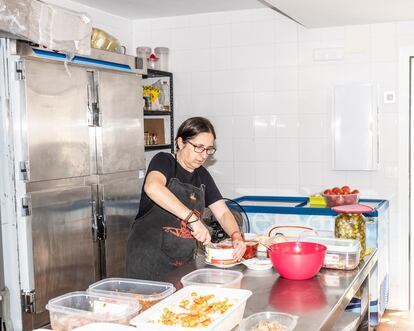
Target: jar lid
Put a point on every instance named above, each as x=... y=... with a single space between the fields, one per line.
x=353 y=209
x=161 y=50
x=145 y=49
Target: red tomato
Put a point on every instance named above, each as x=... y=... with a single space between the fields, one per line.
x=355 y=192
x=337 y=191
x=327 y=192
x=345 y=191
x=345 y=188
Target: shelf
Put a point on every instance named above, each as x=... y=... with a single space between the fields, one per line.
x=156 y=147
x=157 y=73
x=156 y=113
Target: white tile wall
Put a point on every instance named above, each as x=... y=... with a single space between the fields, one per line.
x=253 y=72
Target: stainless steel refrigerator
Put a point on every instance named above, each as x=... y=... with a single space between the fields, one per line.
x=73 y=170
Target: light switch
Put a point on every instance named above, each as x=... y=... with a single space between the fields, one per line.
x=389 y=97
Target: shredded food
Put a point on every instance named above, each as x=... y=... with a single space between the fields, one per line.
x=196 y=311
x=268 y=326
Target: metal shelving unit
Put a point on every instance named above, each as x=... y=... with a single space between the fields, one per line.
x=159 y=113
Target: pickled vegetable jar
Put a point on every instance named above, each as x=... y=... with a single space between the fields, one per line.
x=351 y=226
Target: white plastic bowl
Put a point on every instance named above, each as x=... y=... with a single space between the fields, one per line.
x=286 y=320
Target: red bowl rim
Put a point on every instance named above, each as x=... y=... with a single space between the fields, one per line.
x=322 y=248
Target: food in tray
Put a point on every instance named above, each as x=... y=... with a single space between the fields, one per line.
x=145 y=303
x=63 y=322
x=195 y=311
x=266 y=325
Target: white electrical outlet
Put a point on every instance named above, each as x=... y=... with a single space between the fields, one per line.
x=389 y=97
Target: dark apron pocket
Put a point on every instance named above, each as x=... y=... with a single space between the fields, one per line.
x=177 y=248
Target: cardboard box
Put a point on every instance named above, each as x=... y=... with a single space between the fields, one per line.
x=155 y=125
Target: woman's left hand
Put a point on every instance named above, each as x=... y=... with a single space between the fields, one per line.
x=239 y=249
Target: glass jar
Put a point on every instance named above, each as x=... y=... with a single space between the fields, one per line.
x=162 y=54
x=165 y=96
x=351 y=226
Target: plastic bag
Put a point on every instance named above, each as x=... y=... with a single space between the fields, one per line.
x=47 y=25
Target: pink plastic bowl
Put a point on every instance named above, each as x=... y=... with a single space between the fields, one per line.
x=297 y=260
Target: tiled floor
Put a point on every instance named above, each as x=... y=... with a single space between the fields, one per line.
x=394 y=320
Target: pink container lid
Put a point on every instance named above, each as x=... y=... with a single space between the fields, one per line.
x=353 y=209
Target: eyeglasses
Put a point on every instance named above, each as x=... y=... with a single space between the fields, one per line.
x=200 y=149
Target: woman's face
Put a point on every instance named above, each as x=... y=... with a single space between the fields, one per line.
x=189 y=158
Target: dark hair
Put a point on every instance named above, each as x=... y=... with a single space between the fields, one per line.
x=191 y=127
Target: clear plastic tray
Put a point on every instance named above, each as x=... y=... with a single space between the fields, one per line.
x=147 y=320
x=213 y=277
x=77 y=309
x=146 y=292
x=287 y=321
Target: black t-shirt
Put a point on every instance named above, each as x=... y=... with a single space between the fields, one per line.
x=166 y=164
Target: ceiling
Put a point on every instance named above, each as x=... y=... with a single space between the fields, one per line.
x=139 y=9
x=310 y=13
x=324 y=13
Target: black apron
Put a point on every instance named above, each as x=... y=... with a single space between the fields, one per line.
x=159 y=241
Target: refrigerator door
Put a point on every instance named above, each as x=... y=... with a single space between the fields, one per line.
x=63 y=248
x=56 y=120
x=120 y=194
x=120 y=137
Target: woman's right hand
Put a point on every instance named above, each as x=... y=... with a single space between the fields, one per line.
x=200 y=232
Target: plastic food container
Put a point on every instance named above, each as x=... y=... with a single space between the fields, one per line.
x=340 y=199
x=77 y=309
x=144 y=52
x=221 y=253
x=147 y=293
x=162 y=54
x=213 y=278
x=288 y=322
x=251 y=249
x=148 y=320
x=342 y=254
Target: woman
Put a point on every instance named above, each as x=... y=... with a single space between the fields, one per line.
x=176 y=190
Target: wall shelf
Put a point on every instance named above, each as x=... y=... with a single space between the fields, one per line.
x=156 y=147
x=164 y=132
x=157 y=113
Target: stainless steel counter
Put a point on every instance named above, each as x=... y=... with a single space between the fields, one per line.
x=318 y=302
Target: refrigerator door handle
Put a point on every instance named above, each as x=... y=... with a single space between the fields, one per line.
x=103 y=220
x=94 y=221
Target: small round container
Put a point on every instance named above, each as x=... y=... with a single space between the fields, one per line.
x=144 y=52
x=213 y=278
x=162 y=54
x=333 y=200
x=251 y=323
x=220 y=254
x=251 y=249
